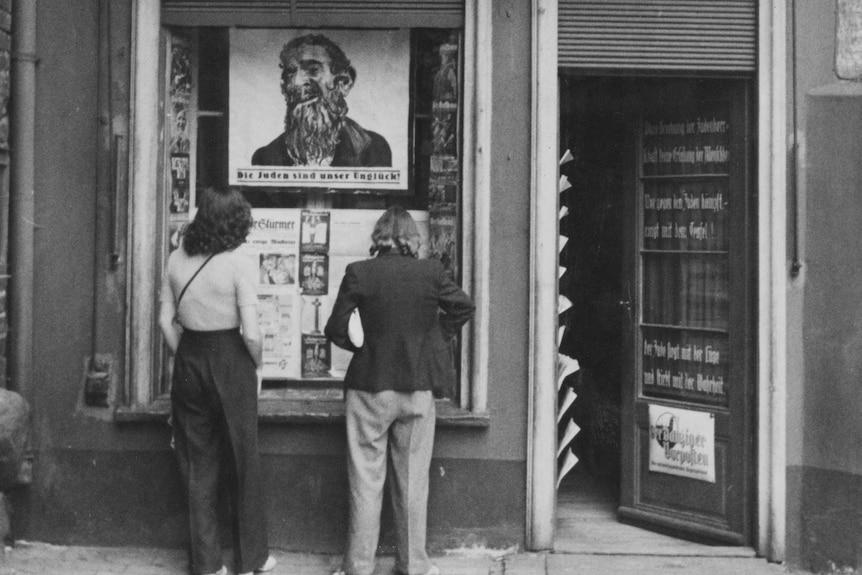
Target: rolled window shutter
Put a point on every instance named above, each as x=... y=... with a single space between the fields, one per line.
x=301 y=13
x=653 y=35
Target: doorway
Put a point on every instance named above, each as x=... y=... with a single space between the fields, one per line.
x=617 y=499
x=593 y=129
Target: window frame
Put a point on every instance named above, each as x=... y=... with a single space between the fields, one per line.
x=146 y=169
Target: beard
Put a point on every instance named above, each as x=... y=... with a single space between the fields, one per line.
x=311 y=127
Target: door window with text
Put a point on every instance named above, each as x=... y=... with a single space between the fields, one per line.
x=685 y=159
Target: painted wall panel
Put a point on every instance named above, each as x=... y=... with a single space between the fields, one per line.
x=510 y=225
x=87 y=464
x=114 y=498
x=65 y=124
x=832 y=314
x=824 y=515
x=814 y=47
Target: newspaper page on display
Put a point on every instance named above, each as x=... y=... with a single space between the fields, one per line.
x=272 y=248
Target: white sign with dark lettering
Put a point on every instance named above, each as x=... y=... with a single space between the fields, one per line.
x=848 y=41
x=682 y=442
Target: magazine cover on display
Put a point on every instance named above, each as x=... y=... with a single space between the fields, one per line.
x=316 y=348
x=316 y=359
x=315 y=232
x=443 y=235
x=443 y=183
x=319 y=108
x=179 y=143
x=315 y=274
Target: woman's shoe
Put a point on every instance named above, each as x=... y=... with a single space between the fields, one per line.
x=222 y=571
x=268 y=565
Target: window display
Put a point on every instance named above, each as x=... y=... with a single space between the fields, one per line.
x=322 y=130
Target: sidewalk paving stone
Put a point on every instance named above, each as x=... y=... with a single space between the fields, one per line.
x=28 y=558
x=559 y=564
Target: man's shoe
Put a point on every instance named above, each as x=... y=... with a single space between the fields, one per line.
x=268 y=565
x=222 y=571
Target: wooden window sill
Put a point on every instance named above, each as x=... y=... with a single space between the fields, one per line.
x=296 y=410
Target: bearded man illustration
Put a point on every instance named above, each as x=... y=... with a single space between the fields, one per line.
x=315 y=80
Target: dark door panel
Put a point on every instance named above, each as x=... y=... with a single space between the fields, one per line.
x=687 y=388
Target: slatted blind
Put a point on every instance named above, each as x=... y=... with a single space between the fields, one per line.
x=658 y=35
x=310 y=13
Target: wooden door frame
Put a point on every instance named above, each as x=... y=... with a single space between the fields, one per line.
x=544 y=225
x=771 y=281
x=772 y=278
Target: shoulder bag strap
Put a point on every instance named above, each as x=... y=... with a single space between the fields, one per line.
x=191 y=279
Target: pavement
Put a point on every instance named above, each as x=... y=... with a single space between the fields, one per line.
x=28 y=558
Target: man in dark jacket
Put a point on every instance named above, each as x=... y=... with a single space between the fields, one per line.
x=316 y=78
x=410 y=311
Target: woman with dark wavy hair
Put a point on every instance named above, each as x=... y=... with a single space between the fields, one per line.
x=410 y=310
x=208 y=316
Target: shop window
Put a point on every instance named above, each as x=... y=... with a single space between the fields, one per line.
x=242 y=110
x=222 y=119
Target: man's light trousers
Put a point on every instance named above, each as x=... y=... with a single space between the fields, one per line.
x=403 y=421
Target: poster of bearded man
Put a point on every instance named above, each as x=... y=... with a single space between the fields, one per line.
x=319 y=108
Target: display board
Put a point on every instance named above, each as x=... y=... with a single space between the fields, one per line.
x=298 y=259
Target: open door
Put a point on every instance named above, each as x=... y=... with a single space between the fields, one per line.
x=687 y=433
